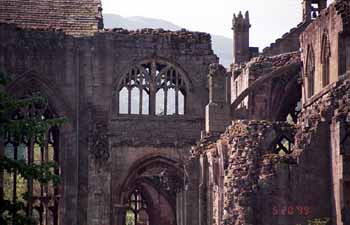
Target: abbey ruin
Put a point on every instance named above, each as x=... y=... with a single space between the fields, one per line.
x=159 y=133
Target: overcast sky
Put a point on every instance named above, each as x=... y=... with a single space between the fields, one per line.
x=270 y=19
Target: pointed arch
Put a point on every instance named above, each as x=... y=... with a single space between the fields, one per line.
x=143 y=164
x=152 y=86
x=159 y=179
x=31 y=82
x=310 y=71
x=325 y=59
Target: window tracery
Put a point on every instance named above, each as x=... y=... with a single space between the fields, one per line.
x=43 y=204
x=136 y=213
x=152 y=87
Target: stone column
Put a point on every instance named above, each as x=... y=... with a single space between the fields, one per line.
x=217 y=116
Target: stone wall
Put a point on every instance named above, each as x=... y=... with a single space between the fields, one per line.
x=329 y=23
x=256 y=185
x=79 y=75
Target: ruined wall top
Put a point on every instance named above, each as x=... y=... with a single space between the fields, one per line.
x=182 y=35
x=78 y=18
x=263 y=65
x=289 y=41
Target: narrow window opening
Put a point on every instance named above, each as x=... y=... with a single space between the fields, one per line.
x=181 y=103
x=325 y=59
x=135 y=101
x=310 y=72
x=160 y=102
x=171 y=102
x=123 y=101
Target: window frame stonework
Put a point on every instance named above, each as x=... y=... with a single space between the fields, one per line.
x=310 y=71
x=44 y=202
x=152 y=77
x=325 y=59
x=137 y=204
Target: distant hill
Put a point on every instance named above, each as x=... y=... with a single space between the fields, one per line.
x=222 y=46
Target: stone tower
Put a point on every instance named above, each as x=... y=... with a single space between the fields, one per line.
x=240 y=27
x=312 y=8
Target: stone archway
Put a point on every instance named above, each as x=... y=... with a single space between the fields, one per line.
x=158 y=181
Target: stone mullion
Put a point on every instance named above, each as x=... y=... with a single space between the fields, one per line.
x=152 y=88
x=176 y=93
x=116 y=101
x=141 y=94
x=165 y=95
x=129 y=99
x=129 y=86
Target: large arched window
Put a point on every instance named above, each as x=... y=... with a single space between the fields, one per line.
x=325 y=56
x=136 y=213
x=310 y=72
x=43 y=204
x=152 y=87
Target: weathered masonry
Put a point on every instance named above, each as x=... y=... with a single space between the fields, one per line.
x=159 y=133
x=135 y=101
x=283 y=156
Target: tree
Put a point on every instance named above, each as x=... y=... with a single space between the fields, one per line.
x=20 y=120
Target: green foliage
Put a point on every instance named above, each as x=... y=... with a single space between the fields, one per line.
x=130 y=218
x=30 y=125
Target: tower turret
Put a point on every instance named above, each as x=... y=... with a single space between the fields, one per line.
x=240 y=27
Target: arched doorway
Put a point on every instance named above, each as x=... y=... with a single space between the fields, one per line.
x=150 y=191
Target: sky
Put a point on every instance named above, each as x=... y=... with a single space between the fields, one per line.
x=270 y=19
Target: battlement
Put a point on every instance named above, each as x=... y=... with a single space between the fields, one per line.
x=240 y=22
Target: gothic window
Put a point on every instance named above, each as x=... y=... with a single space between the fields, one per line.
x=152 y=87
x=325 y=56
x=310 y=72
x=45 y=197
x=136 y=213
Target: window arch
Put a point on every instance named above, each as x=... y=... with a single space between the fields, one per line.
x=310 y=72
x=152 y=87
x=136 y=213
x=43 y=204
x=325 y=59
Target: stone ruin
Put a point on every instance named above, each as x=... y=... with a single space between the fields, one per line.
x=159 y=133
